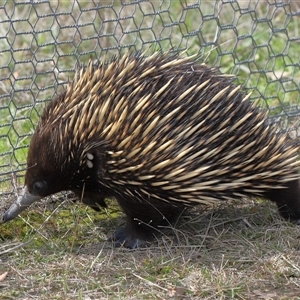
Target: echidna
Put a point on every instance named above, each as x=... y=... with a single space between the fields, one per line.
x=158 y=134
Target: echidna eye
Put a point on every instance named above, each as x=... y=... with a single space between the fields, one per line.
x=39 y=186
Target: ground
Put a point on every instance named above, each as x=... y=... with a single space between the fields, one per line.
x=59 y=248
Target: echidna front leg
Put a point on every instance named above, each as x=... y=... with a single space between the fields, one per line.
x=288 y=201
x=143 y=220
x=91 y=199
x=130 y=236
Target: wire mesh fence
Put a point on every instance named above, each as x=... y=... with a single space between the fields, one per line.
x=42 y=42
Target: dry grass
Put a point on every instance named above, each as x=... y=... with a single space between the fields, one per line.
x=236 y=252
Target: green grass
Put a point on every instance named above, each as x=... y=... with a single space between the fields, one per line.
x=258 y=53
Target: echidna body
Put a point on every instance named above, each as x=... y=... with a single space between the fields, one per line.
x=158 y=133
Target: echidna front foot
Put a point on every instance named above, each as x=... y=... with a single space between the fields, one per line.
x=288 y=201
x=123 y=237
x=127 y=237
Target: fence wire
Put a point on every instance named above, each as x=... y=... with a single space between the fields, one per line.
x=42 y=42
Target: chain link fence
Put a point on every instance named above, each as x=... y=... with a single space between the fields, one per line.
x=42 y=42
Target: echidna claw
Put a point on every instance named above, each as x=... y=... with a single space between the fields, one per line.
x=124 y=237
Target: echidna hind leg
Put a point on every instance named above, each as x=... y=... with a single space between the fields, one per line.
x=143 y=221
x=288 y=201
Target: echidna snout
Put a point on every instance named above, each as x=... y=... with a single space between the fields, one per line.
x=158 y=134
